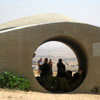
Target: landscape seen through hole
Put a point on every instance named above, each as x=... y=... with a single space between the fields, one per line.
x=56 y=67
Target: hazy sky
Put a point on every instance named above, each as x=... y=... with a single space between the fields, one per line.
x=55 y=48
x=86 y=11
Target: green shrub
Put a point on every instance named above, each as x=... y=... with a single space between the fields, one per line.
x=11 y=80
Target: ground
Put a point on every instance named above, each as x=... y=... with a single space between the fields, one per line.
x=6 y=94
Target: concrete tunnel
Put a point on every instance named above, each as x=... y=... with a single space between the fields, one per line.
x=20 y=38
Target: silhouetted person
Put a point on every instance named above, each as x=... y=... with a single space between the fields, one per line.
x=77 y=79
x=60 y=69
x=50 y=64
x=76 y=75
x=45 y=68
x=39 y=65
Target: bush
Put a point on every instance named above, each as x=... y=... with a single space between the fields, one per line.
x=11 y=80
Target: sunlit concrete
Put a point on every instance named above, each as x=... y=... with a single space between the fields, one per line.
x=18 y=44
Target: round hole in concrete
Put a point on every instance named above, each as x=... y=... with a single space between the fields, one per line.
x=69 y=81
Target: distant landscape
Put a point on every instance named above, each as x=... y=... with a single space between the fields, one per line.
x=55 y=50
x=70 y=63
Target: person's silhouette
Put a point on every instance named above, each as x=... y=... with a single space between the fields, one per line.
x=39 y=63
x=45 y=68
x=60 y=69
x=50 y=64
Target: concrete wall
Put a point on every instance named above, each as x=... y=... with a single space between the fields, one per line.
x=17 y=47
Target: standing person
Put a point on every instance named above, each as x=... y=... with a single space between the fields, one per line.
x=40 y=65
x=60 y=69
x=45 y=68
x=50 y=64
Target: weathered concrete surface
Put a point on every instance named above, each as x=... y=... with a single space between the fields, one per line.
x=17 y=47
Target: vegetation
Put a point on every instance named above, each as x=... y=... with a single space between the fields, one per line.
x=12 y=81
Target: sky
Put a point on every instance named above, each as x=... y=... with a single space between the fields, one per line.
x=86 y=11
x=56 y=49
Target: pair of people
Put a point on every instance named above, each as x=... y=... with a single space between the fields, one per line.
x=45 y=68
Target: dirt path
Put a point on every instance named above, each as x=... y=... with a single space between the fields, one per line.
x=20 y=95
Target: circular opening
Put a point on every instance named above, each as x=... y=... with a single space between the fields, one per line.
x=59 y=65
